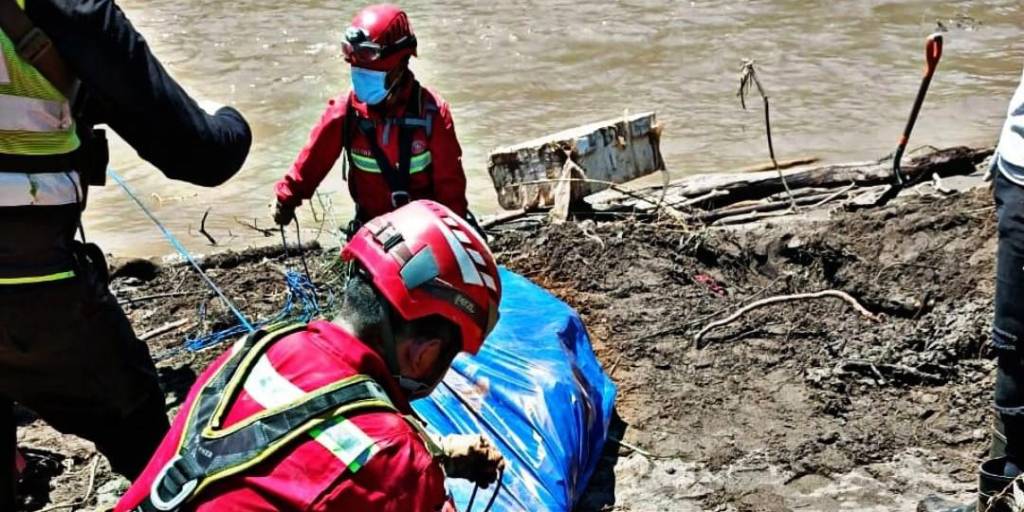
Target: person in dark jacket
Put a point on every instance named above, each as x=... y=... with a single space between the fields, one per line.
x=67 y=351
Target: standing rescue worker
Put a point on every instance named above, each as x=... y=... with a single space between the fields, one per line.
x=67 y=351
x=1006 y=460
x=398 y=135
x=316 y=417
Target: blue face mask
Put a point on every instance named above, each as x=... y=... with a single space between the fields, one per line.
x=369 y=85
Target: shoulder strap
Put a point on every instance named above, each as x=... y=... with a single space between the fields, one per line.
x=397 y=179
x=36 y=48
x=209 y=453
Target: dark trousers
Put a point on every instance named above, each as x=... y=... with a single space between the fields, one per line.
x=68 y=353
x=1008 y=325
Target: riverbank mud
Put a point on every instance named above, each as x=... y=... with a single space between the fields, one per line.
x=799 y=405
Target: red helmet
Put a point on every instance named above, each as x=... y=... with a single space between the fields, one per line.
x=425 y=261
x=379 y=38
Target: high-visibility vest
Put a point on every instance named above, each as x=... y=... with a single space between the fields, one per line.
x=35 y=121
x=35 y=118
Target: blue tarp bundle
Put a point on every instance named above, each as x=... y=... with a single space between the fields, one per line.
x=537 y=391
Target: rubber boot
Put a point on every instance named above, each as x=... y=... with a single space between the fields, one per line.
x=994 y=492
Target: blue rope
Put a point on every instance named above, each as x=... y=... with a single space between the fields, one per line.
x=181 y=249
x=302 y=301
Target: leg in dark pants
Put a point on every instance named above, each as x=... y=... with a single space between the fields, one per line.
x=1008 y=326
x=8 y=440
x=68 y=352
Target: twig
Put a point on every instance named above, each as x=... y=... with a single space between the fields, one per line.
x=835 y=196
x=267 y=232
x=88 y=491
x=748 y=76
x=700 y=199
x=202 y=228
x=787 y=298
x=163 y=329
x=678 y=215
x=145 y=298
x=503 y=217
x=893 y=368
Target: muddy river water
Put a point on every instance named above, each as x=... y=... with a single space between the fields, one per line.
x=841 y=75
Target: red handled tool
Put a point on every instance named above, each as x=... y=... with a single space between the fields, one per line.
x=933 y=52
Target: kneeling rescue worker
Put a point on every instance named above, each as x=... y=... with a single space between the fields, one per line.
x=316 y=417
x=67 y=351
x=398 y=135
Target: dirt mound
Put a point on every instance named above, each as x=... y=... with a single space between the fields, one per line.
x=806 y=387
x=803 y=404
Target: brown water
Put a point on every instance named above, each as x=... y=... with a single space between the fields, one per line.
x=841 y=75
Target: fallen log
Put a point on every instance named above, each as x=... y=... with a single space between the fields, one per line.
x=759 y=185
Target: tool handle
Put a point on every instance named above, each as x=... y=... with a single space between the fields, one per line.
x=932 y=53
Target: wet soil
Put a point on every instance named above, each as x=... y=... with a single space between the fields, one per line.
x=799 y=405
x=803 y=405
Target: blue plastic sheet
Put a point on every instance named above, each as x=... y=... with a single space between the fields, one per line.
x=537 y=391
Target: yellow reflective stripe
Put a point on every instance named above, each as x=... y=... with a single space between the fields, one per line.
x=365 y=163
x=418 y=163
x=25 y=81
x=37 y=279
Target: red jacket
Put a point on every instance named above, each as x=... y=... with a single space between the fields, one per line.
x=398 y=475
x=443 y=180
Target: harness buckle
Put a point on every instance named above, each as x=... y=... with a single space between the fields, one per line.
x=400 y=198
x=184 y=493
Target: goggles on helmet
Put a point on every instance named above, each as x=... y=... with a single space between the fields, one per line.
x=358 y=47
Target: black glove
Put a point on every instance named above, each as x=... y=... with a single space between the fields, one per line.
x=283 y=214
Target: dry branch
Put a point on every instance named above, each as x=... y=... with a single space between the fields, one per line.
x=786 y=298
x=202 y=228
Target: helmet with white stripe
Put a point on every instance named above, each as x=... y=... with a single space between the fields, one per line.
x=426 y=260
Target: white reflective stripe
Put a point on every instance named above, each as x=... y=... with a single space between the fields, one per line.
x=477 y=258
x=461 y=235
x=5 y=76
x=18 y=113
x=470 y=275
x=39 y=189
x=342 y=437
x=347 y=442
x=489 y=281
x=269 y=388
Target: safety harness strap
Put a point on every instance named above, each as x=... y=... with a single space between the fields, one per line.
x=209 y=453
x=396 y=179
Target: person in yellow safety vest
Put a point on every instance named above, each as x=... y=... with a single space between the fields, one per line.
x=67 y=351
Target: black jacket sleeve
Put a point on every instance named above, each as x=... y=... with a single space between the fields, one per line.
x=126 y=87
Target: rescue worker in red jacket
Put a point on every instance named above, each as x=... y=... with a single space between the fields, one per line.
x=317 y=417
x=399 y=136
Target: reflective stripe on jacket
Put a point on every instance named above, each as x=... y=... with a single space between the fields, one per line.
x=369 y=461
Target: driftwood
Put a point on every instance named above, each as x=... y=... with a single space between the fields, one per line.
x=744 y=187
